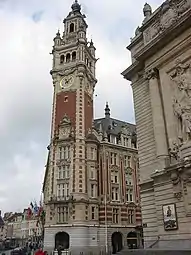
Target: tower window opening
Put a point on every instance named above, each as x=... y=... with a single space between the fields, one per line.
x=62 y=59
x=74 y=56
x=68 y=58
x=71 y=28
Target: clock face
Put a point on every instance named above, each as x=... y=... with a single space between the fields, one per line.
x=66 y=82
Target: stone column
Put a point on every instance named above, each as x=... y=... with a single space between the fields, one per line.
x=158 y=117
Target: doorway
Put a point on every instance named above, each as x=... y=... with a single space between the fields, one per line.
x=132 y=240
x=117 y=242
x=62 y=241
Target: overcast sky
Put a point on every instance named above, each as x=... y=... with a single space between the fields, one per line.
x=27 y=32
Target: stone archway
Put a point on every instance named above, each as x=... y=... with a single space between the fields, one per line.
x=117 y=242
x=62 y=241
x=132 y=240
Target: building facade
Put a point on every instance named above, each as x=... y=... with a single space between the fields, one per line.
x=160 y=75
x=19 y=229
x=90 y=187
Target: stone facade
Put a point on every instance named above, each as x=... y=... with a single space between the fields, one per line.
x=160 y=75
x=90 y=184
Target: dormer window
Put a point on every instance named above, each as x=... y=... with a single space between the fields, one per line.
x=62 y=59
x=68 y=58
x=74 y=56
x=71 y=28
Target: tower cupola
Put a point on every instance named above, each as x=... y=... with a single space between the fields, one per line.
x=57 y=39
x=76 y=7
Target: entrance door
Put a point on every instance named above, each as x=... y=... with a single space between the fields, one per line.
x=117 y=242
x=132 y=240
x=62 y=241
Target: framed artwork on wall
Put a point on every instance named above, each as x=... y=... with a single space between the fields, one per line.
x=170 y=217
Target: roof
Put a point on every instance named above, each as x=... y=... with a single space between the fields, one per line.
x=113 y=126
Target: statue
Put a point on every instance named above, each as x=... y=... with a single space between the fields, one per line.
x=182 y=100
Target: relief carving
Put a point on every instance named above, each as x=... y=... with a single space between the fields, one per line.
x=181 y=77
x=176 y=181
x=174 y=152
x=152 y=74
x=170 y=12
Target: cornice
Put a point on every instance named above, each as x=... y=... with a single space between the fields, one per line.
x=165 y=37
x=169 y=34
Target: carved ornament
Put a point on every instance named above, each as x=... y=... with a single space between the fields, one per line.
x=176 y=181
x=152 y=74
x=67 y=71
x=170 y=12
x=174 y=152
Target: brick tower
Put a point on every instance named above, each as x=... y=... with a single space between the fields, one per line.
x=66 y=188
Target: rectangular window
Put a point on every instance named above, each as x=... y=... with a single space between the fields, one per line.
x=92 y=153
x=59 y=190
x=62 y=214
x=129 y=195
x=93 y=213
x=115 y=194
x=113 y=139
x=116 y=179
x=127 y=161
x=115 y=215
x=93 y=190
x=64 y=152
x=113 y=158
x=92 y=172
x=67 y=189
x=130 y=216
x=112 y=193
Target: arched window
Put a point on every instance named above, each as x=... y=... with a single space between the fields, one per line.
x=74 y=56
x=71 y=27
x=68 y=58
x=62 y=59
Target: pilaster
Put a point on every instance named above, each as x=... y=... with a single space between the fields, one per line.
x=158 y=116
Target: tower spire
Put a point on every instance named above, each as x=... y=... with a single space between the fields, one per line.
x=107 y=110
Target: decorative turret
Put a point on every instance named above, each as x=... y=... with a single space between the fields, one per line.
x=57 y=39
x=92 y=48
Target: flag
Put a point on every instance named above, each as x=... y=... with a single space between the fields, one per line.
x=31 y=204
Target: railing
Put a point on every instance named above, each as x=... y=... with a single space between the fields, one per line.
x=155 y=242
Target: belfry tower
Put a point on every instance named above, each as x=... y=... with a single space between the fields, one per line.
x=67 y=191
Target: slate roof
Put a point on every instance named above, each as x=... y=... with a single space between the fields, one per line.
x=111 y=125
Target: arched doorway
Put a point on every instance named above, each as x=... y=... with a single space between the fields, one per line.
x=132 y=240
x=62 y=241
x=117 y=242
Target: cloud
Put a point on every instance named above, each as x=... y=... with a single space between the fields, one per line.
x=27 y=31
x=37 y=16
